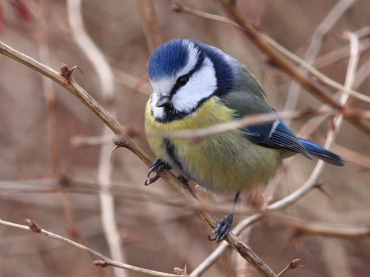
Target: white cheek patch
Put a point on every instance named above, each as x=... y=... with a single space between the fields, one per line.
x=202 y=84
x=157 y=111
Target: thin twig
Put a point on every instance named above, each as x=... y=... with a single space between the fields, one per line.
x=292 y=265
x=197 y=134
x=32 y=226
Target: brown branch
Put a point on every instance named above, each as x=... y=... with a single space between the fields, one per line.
x=137 y=149
x=105 y=261
x=261 y=41
x=314 y=47
x=149 y=20
x=279 y=60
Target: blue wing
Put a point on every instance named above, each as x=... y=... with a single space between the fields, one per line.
x=276 y=135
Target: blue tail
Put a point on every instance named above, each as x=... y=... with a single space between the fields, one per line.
x=322 y=153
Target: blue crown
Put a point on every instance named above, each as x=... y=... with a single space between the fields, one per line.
x=168 y=59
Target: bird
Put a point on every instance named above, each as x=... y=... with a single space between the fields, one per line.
x=196 y=85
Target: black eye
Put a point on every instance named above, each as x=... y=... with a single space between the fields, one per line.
x=182 y=80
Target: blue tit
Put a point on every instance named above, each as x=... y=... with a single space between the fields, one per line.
x=197 y=86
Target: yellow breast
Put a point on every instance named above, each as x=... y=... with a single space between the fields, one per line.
x=226 y=161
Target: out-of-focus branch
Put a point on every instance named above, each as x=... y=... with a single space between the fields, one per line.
x=65 y=80
x=106 y=80
x=314 y=47
x=177 y=7
x=279 y=60
x=338 y=54
x=52 y=120
x=261 y=41
x=131 y=82
x=149 y=20
x=197 y=134
x=105 y=261
x=323 y=229
x=352 y=156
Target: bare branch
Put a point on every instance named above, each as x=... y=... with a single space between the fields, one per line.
x=198 y=134
x=315 y=45
x=32 y=226
x=149 y=20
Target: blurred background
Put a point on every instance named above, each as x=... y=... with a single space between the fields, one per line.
x=52 y=157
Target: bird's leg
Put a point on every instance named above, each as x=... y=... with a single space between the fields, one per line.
x=156 y=167
x=224 y=225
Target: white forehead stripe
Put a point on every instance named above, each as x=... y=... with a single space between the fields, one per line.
x=193 y=55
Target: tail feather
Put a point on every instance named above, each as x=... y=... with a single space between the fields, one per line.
x=322 y=153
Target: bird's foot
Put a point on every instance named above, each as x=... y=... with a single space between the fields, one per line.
x=156 y=167
x=223 y=228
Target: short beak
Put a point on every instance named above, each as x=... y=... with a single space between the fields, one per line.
x=163 y=101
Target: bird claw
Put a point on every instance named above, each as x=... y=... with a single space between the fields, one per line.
x=222 y=229
x=156 y=167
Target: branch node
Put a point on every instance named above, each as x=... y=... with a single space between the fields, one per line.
x=119 y=142
x=101 y=263
x=64 y=181
x=320 y=187
x=180 y=271
x=33 y=225
x=292 y=265
x=177 y=7
x=67 y=73
x=295 y=263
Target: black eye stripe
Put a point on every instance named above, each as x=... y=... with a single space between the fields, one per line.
x=197 y=66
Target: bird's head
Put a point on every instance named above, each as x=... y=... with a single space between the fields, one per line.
x=184 y=74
